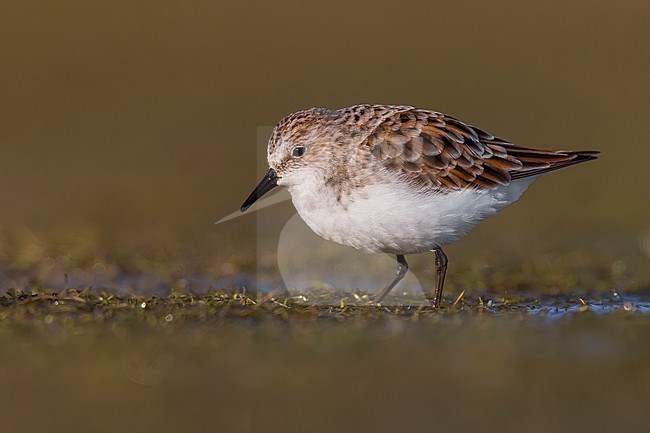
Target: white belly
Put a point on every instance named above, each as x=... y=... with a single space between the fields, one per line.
x=394 y=218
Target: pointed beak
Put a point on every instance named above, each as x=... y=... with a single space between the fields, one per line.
x=269 y=182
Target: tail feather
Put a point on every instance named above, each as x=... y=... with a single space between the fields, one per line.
x=536 y=162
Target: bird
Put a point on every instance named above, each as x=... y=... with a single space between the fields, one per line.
x=398 y=180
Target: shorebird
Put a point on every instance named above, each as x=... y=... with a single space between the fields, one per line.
x=399 y=180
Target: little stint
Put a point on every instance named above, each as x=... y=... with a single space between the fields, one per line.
x=399 y=180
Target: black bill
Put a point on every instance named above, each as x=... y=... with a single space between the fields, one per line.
x=269 y=182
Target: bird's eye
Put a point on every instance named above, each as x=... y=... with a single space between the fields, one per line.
x=298 y=151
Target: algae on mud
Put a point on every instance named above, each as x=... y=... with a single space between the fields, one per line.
x=226 y=361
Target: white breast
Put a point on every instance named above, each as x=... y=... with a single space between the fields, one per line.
x=396 y=218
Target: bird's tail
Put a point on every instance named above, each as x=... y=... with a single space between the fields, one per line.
x=535 y=162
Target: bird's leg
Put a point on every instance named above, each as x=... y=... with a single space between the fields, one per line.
x=402 y=267
x=441 y=270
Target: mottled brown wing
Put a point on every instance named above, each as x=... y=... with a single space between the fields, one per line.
x=436 y=151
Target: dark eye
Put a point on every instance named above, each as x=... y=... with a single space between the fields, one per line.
x=298 y=151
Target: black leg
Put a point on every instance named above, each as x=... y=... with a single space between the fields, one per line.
x=402 y=267
x=441 y=270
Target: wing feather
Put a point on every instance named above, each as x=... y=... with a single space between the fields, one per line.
x=436 y=151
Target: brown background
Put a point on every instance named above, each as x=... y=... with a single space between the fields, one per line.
x=132 y=125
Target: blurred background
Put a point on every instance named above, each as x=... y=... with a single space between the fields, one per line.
x=127 y=128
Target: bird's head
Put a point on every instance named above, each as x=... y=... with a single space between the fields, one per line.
x=300 y=146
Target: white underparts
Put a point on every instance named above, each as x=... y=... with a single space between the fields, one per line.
x=395 y=217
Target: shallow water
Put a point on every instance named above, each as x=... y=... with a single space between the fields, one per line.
x=222 y=361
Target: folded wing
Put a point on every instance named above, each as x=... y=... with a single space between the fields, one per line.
x=437 y=151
